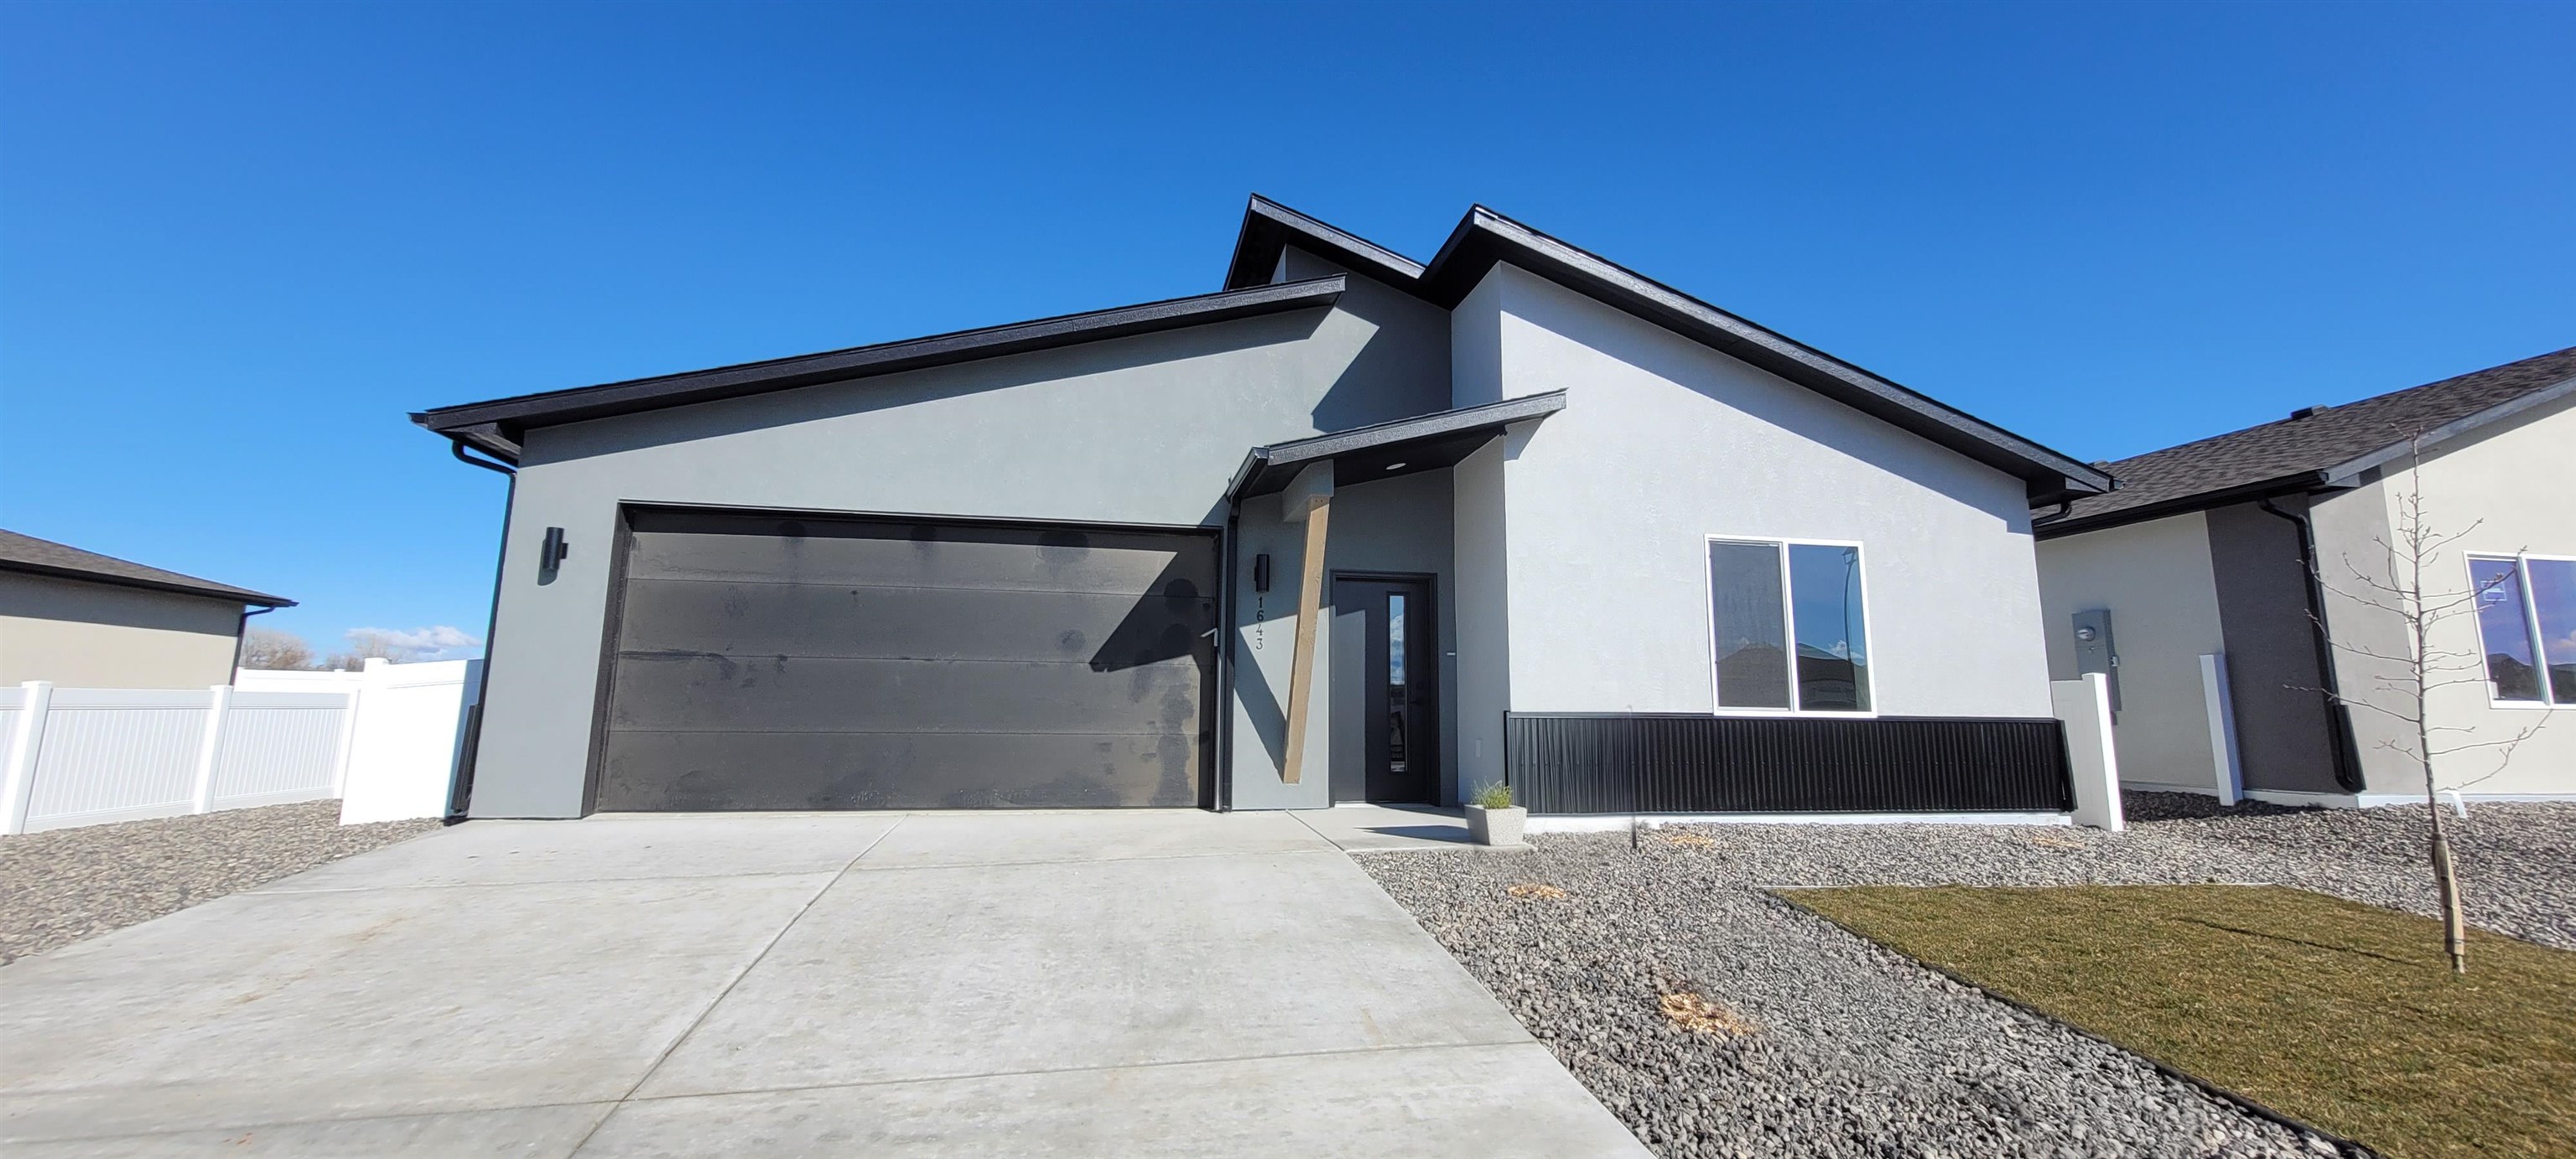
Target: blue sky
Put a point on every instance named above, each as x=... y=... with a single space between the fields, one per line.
x=239 y=242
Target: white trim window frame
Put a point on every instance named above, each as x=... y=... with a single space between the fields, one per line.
x=2535 y=636
x=1866 y=678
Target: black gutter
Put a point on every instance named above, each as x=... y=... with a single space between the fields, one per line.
x=458 y=448
x=2338 y=716
x=460 y=786
x=2058 y=526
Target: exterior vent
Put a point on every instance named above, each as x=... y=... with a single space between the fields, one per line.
x=2309 y=412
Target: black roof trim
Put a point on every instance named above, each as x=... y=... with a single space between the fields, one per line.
x=495 y=426
x=33 y=556
x=1449 y=435
x=1484 y=238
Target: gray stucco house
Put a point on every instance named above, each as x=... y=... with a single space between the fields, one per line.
x=1353 y=527
x=2227 y=587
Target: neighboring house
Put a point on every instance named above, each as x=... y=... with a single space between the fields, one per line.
x=84 y=620
x=2205 y=550
x=1352 y=528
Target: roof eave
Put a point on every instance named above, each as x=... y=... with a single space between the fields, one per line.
x=226 y=594
x=1417 y=430
x=495 y=426
x=2348 y=473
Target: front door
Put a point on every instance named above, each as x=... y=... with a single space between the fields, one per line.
x=1400 y=699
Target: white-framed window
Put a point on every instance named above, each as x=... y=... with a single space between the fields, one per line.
x=1788 y=625
x=2527 y=628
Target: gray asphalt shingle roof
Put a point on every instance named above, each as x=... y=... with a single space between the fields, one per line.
x=26 y=553
x=2291 y=451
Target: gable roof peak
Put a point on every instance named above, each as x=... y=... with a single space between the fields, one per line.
x=1485 y=238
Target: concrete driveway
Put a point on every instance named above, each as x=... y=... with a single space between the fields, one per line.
x=1128 y=984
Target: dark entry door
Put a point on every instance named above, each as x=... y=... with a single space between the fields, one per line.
x=1401 y=696
x=771 y=662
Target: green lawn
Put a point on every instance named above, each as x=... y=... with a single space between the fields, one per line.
x=2341 y=1015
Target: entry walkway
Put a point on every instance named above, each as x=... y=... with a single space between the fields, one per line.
x=1112 y=984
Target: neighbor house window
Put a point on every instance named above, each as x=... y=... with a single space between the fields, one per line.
x=2527 y=627
x=1788 y=627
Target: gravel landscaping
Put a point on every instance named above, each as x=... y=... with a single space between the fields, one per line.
x=1807 y=1040
x=62 y=885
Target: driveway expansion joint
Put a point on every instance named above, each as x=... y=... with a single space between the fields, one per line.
x=681 y=1038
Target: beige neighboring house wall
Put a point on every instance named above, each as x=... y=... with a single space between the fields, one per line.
x=85 y=634
x=2155 y=579
x=2511 y=483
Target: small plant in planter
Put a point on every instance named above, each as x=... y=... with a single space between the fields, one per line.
x=1492 y=819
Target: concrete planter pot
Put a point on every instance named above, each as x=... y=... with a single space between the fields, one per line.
x=1496 y=826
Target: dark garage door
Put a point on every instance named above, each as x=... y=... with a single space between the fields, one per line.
x=799 y=663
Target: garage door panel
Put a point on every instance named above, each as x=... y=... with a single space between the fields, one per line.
x=1077 y=561
x=739 y=619
x=831 y=694
x=767 y=662
x=723 y=771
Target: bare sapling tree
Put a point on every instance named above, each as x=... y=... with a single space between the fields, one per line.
x=268 y=649
x=2399 y=584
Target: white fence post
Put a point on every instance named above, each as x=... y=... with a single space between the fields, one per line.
x=2221 y=709
x=210 y=752
x=26 y=742
x=348 y=744
x=2094 y=762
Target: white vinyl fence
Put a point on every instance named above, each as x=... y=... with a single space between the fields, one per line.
x=385 y=741
x=410 y=731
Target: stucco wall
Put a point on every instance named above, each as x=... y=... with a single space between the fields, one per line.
x=2284 y=735
x=1144 y=430
x=1664 y=442
x=2155 y=579
x=2507 y=491
x=1265 y=649
x=91 y=635
x=1481 y=610
x=1407 y=356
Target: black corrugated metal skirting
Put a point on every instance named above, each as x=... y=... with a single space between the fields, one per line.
x=1654 y=763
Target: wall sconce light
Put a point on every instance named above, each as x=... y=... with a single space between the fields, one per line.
x=1261 y=573
x=551 y=555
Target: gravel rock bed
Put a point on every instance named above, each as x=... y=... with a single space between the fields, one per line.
x=1857 y=1051
x=62 y=885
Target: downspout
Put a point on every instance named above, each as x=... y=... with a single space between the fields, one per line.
x=2338 y=717
x=1222 y=777
x=461 y=793
x=241 y=636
